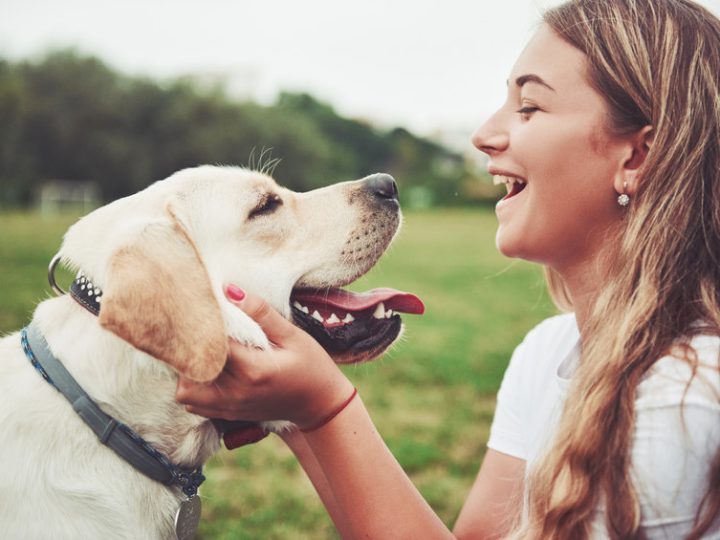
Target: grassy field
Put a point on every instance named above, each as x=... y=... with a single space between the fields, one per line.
x=432 y=396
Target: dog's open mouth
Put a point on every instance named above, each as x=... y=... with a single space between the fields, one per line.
x=353 y=327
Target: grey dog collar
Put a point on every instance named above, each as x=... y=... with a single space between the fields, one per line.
x=120 y=438
x=89 y=296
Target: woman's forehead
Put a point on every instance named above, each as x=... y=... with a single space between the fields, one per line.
x=558 y=65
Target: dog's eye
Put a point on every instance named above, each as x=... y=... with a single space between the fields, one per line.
x=268 y=204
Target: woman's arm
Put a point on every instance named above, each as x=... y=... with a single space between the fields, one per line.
x=295 y=440
x=375 y=496
x=493 y=506
x=491 y=510
x=367 y=492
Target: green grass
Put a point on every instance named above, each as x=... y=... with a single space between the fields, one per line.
x=432 y=396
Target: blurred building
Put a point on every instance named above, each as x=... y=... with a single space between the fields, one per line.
x=55 y=196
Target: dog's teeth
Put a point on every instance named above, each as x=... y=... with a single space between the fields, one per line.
x=379 y=311
x=388 y=313
x=304 y=310
x=333 y=319
x=297 y=304
x=348 y=319
x=317 y=316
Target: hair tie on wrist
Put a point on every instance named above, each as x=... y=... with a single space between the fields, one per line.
x=327 y=419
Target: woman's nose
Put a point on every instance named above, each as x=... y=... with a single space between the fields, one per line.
x=491 y=137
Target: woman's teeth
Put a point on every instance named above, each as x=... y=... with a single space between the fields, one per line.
x=508 y=181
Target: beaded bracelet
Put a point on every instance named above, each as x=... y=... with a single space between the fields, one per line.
x=340 y=409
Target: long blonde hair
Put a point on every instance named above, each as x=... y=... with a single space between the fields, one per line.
x=657 y=63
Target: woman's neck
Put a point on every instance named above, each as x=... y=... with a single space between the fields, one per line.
x=584 y=282
x=586 y=273
x=583 y=293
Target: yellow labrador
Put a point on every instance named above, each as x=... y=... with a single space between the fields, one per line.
x=155 y=264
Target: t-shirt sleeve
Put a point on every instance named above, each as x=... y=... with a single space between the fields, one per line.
x=509 y=426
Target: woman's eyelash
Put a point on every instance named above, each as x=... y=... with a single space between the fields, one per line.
x=527 y=110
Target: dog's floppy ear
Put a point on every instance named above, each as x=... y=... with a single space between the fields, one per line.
x=158 y=297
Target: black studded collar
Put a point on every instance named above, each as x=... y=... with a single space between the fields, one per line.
x=85 y=293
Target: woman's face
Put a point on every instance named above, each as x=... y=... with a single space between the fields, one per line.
x=551 y=133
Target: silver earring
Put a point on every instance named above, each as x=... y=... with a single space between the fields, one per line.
x=623 y=199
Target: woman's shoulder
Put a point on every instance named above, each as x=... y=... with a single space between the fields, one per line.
x=687 y=376
x=546 y=345
x=556 y=329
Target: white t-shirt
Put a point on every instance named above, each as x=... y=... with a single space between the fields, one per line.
x=673 y=445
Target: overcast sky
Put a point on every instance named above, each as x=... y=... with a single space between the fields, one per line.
x=425 y=64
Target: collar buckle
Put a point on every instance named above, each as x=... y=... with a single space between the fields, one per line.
x=190 y=481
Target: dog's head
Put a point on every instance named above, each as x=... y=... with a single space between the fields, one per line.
x=164 y=255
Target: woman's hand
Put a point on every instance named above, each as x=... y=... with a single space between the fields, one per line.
x=295 y=380
x=363 y=486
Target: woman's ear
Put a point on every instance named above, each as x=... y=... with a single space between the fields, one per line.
x=629 y=175
x=158 y=297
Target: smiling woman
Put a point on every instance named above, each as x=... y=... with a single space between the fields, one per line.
x=548 y=137
x=608 y=418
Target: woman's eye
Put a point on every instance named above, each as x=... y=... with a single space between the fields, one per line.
x=527 y=110
x=267 y=205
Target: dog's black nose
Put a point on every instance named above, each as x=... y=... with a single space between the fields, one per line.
x=383 y=186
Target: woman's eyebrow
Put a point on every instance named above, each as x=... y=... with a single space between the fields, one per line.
x=531 y=78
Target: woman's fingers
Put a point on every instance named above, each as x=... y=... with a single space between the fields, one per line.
x=207 y=412
x=245 y=366
x=276 y=327
x=206 y=400
x=196 y=394
x=296 y=380
x=245 y=372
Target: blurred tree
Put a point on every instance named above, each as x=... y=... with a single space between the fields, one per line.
x=69 y=116
x=15 y=164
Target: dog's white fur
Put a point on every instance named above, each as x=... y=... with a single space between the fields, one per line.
x=162 y=258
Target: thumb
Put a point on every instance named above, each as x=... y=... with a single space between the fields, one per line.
x=276 y=327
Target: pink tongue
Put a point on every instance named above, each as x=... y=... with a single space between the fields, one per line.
x=349 y=301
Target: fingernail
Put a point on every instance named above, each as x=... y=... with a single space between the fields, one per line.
x=235 y=293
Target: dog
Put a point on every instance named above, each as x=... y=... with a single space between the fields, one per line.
x=155 y=265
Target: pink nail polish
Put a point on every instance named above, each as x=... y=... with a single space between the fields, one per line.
x=235 y=293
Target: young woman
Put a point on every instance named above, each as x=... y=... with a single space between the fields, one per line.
x=608 y=418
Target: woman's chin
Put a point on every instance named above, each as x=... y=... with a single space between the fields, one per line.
x=521 y=250
x=515 y=247
x=507 y=244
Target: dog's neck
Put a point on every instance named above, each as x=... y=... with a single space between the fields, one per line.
x=126 y=383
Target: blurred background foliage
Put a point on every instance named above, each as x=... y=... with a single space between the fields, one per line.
x=69 y=116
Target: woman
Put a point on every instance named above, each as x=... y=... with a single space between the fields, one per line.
x=609 y=141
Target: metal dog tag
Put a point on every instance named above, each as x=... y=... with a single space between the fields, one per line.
x=187 y=518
